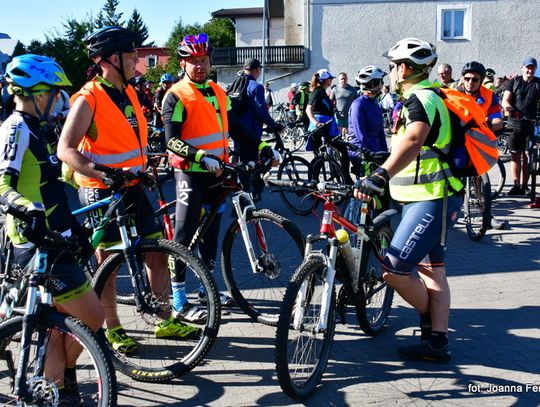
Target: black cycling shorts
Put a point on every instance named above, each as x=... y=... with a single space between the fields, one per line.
x=137 y=205
x=522 y=131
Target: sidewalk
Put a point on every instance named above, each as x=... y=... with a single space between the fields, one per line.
x=495 y=338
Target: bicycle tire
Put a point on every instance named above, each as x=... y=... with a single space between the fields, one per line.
x=326 y=169
x=497 y=179
x=477 y=206
x=534 y=170
x=160 y=360
x=378 y=295
x=96 y=376
x=294 y=168
x=299 y=378
x=259 y=294
x=298 y=137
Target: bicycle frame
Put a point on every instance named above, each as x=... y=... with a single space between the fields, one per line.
x=242 y=210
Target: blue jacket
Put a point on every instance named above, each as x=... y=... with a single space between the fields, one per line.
x=366 y=125
x=254 y=118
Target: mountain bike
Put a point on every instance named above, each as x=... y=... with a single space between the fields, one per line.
x=294 y=135
x=30 y=327
x=306 y=323
x=126 y=272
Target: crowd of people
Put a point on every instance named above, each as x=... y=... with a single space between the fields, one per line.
x=107 y=124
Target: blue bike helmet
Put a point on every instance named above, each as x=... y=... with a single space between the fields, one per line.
x=166 y=77
x=33 y=73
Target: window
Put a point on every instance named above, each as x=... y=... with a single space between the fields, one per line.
x=454 y=22
x=151 y=61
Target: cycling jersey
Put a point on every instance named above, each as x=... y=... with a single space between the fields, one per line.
x=29 y=172
x=366 y=125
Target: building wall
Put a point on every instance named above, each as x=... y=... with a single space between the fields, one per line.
x=249 y=32
x=347 y=35
x=294 y=22
x=161 y=54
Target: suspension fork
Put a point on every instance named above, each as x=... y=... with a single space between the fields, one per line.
x=328 y=276
x=242 y=214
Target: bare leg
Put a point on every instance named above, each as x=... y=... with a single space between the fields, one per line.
x=515 y=167
x=439 y=296
x=158 y=274
x=411 y=289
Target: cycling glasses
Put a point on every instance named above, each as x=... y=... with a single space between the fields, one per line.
x=201 y=38
x=471 y=78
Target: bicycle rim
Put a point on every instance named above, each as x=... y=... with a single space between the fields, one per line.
x=96 y=379
x=260 y=294
x=159 y=359
x=302 y=353
x=497 y=178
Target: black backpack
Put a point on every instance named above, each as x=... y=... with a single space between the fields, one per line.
x=237 y=92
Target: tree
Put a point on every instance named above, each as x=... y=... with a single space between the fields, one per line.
x=221 y=32
x=137 y=25
x=108 y=15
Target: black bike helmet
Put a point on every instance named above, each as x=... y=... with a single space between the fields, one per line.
x=474 y=67
x=109 y=40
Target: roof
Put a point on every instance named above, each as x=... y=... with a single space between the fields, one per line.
x=238 y=12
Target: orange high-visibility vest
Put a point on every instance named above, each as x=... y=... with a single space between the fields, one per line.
x=487 y=96
x=202 y=129
x=116 y=144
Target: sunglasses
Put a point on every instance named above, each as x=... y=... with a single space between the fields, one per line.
x=471 y=78
x=196 y=38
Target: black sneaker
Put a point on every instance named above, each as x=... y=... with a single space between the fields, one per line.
x=425 y=351
x=515 y=191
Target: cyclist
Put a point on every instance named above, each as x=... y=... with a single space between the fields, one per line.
x=300 y=101
x=366 y=128
x=165 y=84
x=342 y=95
x=29 y=181
x=106 y=126
x=472 y=77
x=320 y=110
x=197 y=116
x=426 y=187
x=520 y=102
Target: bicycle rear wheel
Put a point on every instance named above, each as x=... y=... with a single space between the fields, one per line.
x=477 y=206
x=295 y=168
x=301 y=351
x=95 y=375
x=534 y=170
x=278 y=245
x=157 y=358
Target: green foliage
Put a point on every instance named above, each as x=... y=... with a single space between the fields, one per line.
x=221 y=32
x=154 y=75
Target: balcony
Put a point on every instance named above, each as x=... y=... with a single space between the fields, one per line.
x=287 y=56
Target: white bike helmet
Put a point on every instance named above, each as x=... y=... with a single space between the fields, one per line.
x=370 y=78
x=413 y=51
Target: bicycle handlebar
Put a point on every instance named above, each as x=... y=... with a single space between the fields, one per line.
x=321 y=187
x=116 y=173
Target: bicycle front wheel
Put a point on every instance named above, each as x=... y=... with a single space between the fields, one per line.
x=301 y=349
x=95 y=375
x=477 y=206
x=161 y=353
x=278 y=246
x=298 y=200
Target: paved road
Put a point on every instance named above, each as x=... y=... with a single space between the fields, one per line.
x=495 y=337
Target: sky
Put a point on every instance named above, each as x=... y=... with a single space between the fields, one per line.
x=32 y=19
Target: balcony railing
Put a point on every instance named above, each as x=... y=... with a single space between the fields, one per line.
x=286 y=55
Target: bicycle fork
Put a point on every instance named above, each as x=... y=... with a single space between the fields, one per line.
x=304 y=293
x=242 y=217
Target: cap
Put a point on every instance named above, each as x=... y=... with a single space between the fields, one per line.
x=252 y=63
x=324 y=74
x=529 y=61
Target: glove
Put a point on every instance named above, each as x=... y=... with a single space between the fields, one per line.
x=35 y=229
x=114 y=180
x=211 y=163
x=268 y=153
x=373 y=184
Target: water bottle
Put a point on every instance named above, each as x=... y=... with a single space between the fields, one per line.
x=346 y=249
